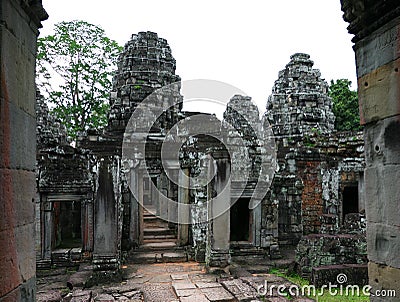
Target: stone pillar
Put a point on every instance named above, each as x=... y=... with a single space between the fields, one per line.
x=19 y=23
x=172 y=199
x=140 y=205
x=105 y=250
x=134 y=234
x=47 y=228
x=87 y=226
x=183 y=209
x=376 y=27
x=161 y=191
x=219 y=227
x=256 y=225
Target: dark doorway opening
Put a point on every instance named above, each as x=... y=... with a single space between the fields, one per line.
x=240 y=220
x=350 y=200
x=67 y=224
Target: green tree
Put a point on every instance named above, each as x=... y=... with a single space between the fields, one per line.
x=345 y=105
x=74 y=73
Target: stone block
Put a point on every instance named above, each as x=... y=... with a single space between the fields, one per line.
x=217 y=294
x=194 y=298
x=382 y=41
x=382 y=194
x=382 y=142
x=241 y=290
x=383 y=278
x=383 y=243
x=25 y=243
x=18 y=53
x=18 y=136
x=379 y=96
x=50 y=296
x=355 y=274
x=183 y=285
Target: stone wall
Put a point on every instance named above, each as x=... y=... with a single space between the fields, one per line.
x=346 y=246
x=314 y=161
x=19 y=23
x=375 y=26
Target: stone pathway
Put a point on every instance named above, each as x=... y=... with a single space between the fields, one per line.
x=165 y=282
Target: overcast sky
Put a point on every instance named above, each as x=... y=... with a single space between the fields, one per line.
x=242 y=43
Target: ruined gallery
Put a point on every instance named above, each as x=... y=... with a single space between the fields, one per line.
x=262 y=188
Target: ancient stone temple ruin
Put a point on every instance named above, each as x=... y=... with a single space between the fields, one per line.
x=96 y=204
x=85 y=210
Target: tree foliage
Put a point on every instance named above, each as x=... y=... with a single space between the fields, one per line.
x=345 y=105
x=74 y=73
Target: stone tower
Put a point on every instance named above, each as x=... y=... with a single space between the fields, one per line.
x=299 y=102
x=146 y=64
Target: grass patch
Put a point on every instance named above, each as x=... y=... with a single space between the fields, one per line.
x=326 y=297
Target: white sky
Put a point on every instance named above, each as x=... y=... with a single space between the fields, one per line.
x=242 y=43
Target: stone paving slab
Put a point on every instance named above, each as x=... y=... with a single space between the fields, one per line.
x=81 y=296
x=104 y=298
x=207 y=284
x=158 y=293
x=241 y=290
x=177 y=277
x=50 y=296
x=160 y=279
x=187 y=292
x=202 y=278
x=195 y=298
x=183 y=285
x=217 y=294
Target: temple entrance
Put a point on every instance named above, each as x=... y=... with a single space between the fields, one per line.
x=240 y=220
x=67 y=224
x=350 y=200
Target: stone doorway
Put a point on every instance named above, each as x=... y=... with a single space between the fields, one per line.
x=67 y=224
x=240 y=221
x=350 y=200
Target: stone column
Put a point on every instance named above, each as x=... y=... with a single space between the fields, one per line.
x=135 y=177
x=162 y=195
x=87 y=226
x=19 y=23
x=183 y=209
x=376 y=27
x=219 y=227
x=105 y=250
x=47 y=228
x=172 y=199
x=140 y=204
x=256 y=226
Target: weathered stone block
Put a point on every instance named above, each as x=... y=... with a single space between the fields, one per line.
x=383 y=41
x=383 y=244
x=382 y=194
x=379 y=96
x=384 y=278
x=382 y=142
x=356 y=274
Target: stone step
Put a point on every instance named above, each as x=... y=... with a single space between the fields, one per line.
x=248 y=252
x=43 y=264
x=158 y=231
x=158 y=238
x=158 y=257
x=160 y=245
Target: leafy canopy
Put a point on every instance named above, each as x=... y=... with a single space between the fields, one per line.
x=74 y=73
x=345 y=105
